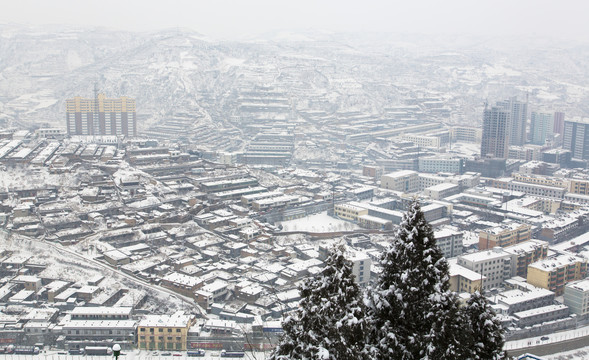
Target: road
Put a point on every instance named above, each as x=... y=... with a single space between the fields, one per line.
x=549 y=344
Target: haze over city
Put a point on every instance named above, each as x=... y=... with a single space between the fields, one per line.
x=229 y=19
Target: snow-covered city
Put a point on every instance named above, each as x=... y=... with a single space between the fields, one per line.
x=172 y=194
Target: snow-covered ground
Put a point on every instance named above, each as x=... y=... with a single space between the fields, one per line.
x=464 y=148
x=68 y=265
x=318 y=223
x=134 y=355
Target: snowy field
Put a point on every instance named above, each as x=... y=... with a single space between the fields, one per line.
x=318 y=223
x=65 y=264
x=465 y=148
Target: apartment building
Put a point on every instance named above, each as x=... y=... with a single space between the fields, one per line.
x=349 y=211
x=527 y=253
x=496 y=265
x=511 y=184
x=441 y=164
x=164 y=332
x=553 y=274
x=504 y=235
x=402 y=180
x=463 y=279
x=517 y=300
x=579 y=186
x=449 y=241
x=576 y=297
x=101 y=116
x=361 y=264
x=441 y=191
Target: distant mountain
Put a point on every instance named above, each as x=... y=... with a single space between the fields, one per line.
x=179 y=71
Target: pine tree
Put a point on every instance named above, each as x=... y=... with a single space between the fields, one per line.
x=485 y=334
x=330 y=321
x=411 y=310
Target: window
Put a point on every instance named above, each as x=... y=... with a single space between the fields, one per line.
x=178 y=330
x=169 y=330
x=160 y=330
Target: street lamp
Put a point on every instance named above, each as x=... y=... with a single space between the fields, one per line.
x=116 y=351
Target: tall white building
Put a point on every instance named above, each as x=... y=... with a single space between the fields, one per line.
x=449 y=240
x=496 y=132
x=541 y=127
x=576 y=297
x=576 y=137
x=361 y=264
x=518 y=114
x=496 y=265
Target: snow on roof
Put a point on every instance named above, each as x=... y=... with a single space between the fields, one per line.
x=100 y=310
x=56 y=285
x=400 y=174
x=580 y=240
x=457 y=270
x=445 y=232
x=304 y=265
x=517 y=296
x=215 y=286
x=374 y=219
x=182 y=279
x=219 y=324
x=116 y=255
x=581 y=285
x=557 y=262
x=178 y=319
x=538 y=311
x=504 y=227
x=485 y=255
x=21 y=295
x=442 y=187
x=26 y=278
x=526 y=246
x=357 y=256
x=96 y=324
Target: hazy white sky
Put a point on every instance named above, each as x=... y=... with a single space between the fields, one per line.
x=234 y=18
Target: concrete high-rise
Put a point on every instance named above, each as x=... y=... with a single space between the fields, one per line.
x=576 y=138
x=541 y=127
x=496 y=132
x=558 y=123
x=101 y=116
x=519 y=113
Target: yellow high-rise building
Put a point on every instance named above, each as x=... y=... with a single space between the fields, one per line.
x=101 y=116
